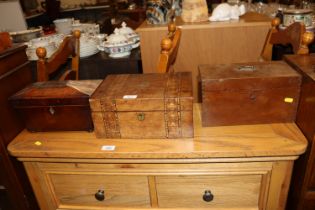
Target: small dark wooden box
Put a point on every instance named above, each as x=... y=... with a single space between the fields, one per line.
x=54 y=106
x=249 y=93
x=144 y=106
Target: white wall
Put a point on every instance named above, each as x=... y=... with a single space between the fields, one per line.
x=11 y=16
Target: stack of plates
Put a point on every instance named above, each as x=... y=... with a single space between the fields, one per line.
x=87 y=28
x=88 y=46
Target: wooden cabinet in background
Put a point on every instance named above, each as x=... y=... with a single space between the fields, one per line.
x=302 y=192
x=100 y=65
x=15 y=74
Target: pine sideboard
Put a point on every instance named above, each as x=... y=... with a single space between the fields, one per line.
x=228 y=167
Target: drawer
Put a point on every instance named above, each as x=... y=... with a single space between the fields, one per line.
x=7 y=63
x=142 y=185
x=227 y=190
x=81 y=189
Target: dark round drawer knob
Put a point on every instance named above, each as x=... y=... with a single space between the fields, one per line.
x=100 y=195
x=208 y=196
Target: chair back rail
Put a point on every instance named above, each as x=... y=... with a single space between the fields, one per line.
x=69 y=47
x=169 y=48
x=295 y=34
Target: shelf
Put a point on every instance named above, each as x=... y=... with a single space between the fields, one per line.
x=127 y=11
x=86 y=7
x=33 y=15
x=97 y=7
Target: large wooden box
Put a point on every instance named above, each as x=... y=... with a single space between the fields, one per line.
x=56 y=105
x=144 y=106
x=251 y=93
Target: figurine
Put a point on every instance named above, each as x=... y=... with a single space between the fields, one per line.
x=224 y=12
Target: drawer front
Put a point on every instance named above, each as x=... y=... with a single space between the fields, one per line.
x=227 y=190
x=89 y=190
x=14 y=60
x=141 y=185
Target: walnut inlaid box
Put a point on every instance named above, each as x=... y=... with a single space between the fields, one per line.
x=144 y=106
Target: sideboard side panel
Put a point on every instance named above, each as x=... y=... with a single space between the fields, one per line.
x=279 y=185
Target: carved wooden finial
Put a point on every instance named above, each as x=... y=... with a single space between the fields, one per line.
x=275 y=22
x=41 y=52
x=307 y=38
x=166 y=45
x=77 y=33
x=171 y=27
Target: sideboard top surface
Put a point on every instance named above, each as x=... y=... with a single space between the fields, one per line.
x=264 y=140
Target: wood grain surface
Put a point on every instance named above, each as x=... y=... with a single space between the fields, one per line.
x=283 y=139
x=302 y=196
x=249 y=93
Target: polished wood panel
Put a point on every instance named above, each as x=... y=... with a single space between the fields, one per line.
x=8 y=63
x=15 y=74
x=249 y=93
x=301 y=195
x=55 y=105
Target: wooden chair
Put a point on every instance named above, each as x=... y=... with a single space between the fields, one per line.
x=69 y=47
x=169 y=48
x=295 y=34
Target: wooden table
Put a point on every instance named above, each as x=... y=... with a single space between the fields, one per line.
x=100 y=65
x=242 y=167
x=207 y=43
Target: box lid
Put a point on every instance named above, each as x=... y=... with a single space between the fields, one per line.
x=145 y=92
x=54 y=93
x=245 y=76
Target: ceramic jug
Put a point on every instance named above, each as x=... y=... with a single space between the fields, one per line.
x=194 y=10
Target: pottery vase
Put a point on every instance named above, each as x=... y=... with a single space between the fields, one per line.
x=194 y=10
